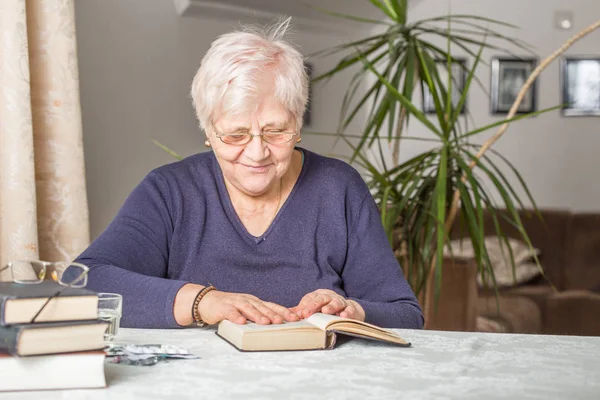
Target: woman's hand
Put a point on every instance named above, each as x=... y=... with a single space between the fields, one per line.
x=328 y=302
x=217 y=306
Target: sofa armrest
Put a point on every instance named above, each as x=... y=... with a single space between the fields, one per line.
x=457 y=304
x=572 y=312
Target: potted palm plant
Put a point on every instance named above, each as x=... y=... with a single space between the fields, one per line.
x=416 y=196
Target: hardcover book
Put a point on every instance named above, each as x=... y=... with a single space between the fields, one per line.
x=19 y=303
x=52 y=337
x=319 y=331
x=83 y=370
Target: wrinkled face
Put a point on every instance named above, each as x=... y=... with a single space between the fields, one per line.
x=253 y=168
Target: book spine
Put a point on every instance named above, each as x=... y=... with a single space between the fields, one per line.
x=330 y=339
x=2 y=306
x=8 y=339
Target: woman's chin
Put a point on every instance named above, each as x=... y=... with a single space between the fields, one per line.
x=256 y=187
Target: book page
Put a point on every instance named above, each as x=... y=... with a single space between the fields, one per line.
x=251 y=327
x=322 y=321
x=352 y=326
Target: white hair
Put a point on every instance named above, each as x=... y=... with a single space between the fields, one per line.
x=233 y=73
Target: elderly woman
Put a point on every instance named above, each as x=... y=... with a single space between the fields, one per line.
x=258 y=229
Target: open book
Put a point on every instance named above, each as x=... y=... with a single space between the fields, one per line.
x=315 y=332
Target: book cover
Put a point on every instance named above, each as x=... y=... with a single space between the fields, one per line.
x=19 y=303
x=52 y=337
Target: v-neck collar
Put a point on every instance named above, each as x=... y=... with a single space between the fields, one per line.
x=234 y=217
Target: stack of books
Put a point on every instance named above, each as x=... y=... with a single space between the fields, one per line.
x=62 y=349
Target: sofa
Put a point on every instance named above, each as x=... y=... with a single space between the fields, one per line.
x=564 y=301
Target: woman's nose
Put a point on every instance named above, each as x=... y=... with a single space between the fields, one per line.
x=256 y=148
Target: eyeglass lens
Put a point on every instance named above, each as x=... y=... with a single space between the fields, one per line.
x=27 y=271
x=66 y=274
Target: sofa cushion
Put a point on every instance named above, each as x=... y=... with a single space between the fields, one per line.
x=490 y=325
x=515 y=314
x=550 y=237
x=524 y=268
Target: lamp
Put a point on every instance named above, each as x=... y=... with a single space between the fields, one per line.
x=563 y=20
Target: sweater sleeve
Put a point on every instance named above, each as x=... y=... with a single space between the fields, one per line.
x=131 y=257
x=372 y=276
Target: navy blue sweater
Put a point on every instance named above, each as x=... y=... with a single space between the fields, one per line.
x=179 y=226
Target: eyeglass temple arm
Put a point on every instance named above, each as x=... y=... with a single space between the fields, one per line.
x=45 y=304
x=83 y=274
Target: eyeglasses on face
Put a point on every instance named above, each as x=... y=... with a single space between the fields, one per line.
x=271 y=136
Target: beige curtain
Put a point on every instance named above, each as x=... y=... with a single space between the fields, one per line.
x=43 y=203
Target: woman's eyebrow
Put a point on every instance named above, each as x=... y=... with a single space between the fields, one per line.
x=276 y=124
x=244 y=128
x=236 y=128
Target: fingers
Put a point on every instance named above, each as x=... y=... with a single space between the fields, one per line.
x=261 y=312
x=251 y=312
x=273 y=316
x=308 y=303
x=234 y=316
x=348 y=312
x=335 y=306
x=240 y=308
x=326 y=304
x=285 y=313
x=354 y=310
x=322 y=300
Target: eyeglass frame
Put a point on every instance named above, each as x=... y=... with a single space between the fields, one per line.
x=45 y=264
x=64 y=285
x=251 y=136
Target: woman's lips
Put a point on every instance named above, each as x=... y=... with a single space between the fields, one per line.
x=257 y=168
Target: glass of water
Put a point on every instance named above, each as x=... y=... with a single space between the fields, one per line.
x=110 y=309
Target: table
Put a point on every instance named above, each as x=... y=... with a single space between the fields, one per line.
x=457 y=365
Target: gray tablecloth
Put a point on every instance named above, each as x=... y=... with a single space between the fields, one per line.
x=439 y=365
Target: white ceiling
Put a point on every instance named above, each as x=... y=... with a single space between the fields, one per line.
x=299 y=8
x=303 y=15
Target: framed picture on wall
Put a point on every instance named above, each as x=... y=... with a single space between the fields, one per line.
x=307 y=114
x=580 y=79
x=508 y=77
x=459 y=77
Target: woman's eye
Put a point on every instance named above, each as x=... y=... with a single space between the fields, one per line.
x=237 y=137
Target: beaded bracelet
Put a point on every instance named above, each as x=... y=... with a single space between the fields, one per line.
x=195 y=313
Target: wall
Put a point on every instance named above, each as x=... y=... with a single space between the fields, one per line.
x=557 y=156
x=136 y=61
